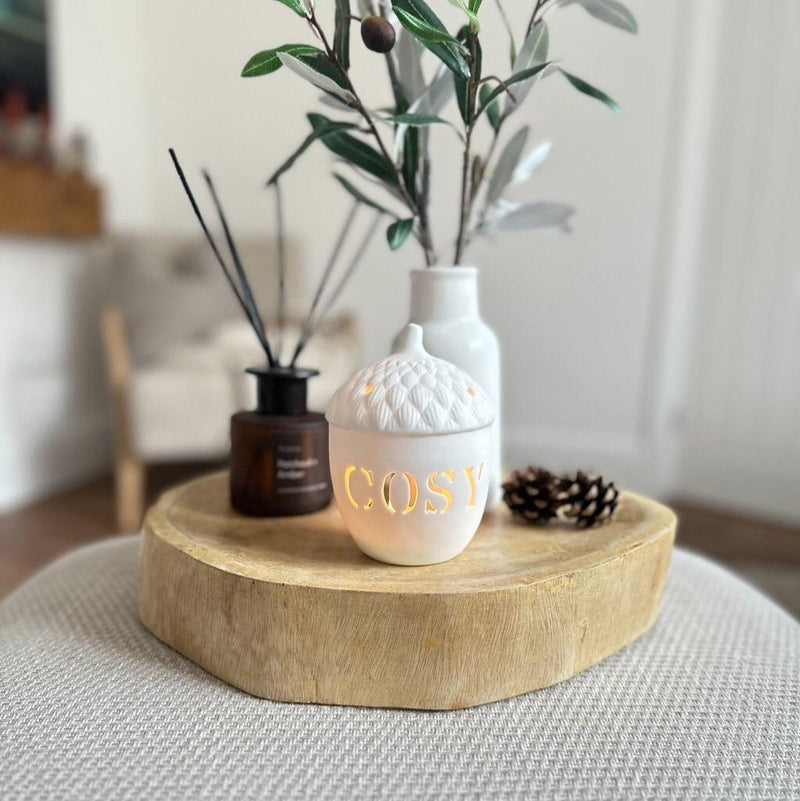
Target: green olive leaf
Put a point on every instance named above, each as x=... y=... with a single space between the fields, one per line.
x=591 y=91
x=415 y=119
x=358 y=153
x=267 y=61
x=473 y=16
x=611 y=12
x=463 y=92
x=358 y=195
x=398 y=232
x=534 y=51
x=492 y=106
x=322 y=128
x=503 y=172
x=524 y=217
x=520 y=76
x=341 y=34
x=420 y=21
x=296 y=6
x=318 y=71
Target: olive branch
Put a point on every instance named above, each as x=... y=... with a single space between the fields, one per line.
x=389 y=149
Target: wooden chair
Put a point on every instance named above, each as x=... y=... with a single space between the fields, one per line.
x=209 y=394
x=129 y=470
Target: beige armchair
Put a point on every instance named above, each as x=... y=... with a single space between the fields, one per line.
x=176 y=347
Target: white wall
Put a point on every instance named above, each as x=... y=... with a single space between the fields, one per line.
x=54 y=426
x=573 y=313
x=742 y=443
x=98 y=58
x=53 y=419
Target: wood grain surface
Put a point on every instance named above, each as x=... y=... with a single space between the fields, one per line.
x=290 y=609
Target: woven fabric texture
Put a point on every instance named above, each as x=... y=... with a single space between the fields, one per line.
x=704 y=706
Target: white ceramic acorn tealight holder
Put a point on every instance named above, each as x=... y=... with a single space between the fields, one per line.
x=410 y=439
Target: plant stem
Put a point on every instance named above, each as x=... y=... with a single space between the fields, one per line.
x=397 y=90
x=424 y=204
x=466 y=193
x=401 y=103
x=465 y=198
x=502 y=84
x=281 y=269
x=487 y=161
x=430 y=256
x=535 y=17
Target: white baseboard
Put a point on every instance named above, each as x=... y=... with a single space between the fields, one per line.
x=630 y=463
x=34 y=468
x=737 y=486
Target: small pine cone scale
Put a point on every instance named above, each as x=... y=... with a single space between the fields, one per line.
x=530 y=494
x=586 y=500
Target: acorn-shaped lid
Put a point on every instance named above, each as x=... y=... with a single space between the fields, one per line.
x=411 y=392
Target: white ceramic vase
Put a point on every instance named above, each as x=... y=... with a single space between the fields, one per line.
x=410 y=440
x=444 y=301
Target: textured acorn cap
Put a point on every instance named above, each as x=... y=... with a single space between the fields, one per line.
x=411 y=392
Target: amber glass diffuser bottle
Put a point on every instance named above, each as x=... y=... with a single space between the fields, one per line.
x=279 y=452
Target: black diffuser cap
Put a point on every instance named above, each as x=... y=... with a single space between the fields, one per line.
x=282 y=390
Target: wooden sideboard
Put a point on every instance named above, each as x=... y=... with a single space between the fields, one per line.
x=36 y=200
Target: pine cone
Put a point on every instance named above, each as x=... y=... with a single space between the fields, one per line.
x=586 y=500
x=530 y=494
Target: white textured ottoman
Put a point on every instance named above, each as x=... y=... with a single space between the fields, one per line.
x=706 y=705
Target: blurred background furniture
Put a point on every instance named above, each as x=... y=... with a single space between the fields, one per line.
x=176 y=348
x=706 y=705
x=37 y=200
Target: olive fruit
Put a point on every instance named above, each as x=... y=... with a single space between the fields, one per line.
x=378 y=34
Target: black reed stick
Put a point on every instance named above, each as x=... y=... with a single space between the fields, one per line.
x=255 y=314
x=243 y=292
x=218 y=255
x=326 y=274
x=354 y=262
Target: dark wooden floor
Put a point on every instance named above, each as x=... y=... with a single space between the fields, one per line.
x=35 y=535
x=768 y=555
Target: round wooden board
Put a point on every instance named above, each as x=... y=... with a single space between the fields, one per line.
x=290 y=609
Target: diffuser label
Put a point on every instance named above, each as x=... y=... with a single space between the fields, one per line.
x=295 y=470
